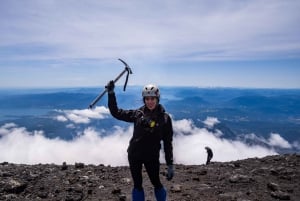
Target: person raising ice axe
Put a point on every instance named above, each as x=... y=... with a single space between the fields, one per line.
x=151 y=126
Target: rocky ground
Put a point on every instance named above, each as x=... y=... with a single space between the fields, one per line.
x=269 y=178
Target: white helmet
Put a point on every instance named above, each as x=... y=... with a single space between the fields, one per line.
x=151 y=90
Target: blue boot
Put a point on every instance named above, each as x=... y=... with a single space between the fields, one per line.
x=138 y=195
x=160 y=194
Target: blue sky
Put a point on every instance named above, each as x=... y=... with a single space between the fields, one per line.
x=212 y=43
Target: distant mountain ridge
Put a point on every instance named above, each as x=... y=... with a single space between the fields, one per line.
x=240 y=111
x=45 y=100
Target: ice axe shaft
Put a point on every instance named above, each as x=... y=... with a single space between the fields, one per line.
x=127 y=69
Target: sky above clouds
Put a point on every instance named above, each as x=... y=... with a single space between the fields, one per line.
x=235 y=43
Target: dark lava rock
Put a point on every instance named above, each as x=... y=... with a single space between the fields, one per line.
x=256 y=179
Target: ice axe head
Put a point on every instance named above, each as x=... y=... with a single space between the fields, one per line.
x=129 y=71
x=126 y=66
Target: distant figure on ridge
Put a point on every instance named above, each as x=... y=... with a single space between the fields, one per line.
x=209 y=155
x=151 y=126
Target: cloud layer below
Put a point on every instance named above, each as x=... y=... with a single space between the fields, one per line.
x=18 y=145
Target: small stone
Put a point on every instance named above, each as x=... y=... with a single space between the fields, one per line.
x=122 y=197
x=79 y=165
x=280 y=195
x=176 y=188
x=116 y=191
x=64 y=166
x=273 y=186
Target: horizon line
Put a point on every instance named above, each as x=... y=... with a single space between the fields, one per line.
x=160 y=86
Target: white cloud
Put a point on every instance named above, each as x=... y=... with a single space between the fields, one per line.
x=19 y=145
x=4 y=130
x=22 y=146
x=183 y=126
x=211 y=121
x=274 y=140
x=249 y=28
x=296 y=145
x=61 y=118
x=189 y=149
x=278 y=141
x=252 y=136
x=70 y=126
x=82 y=116
x=51 y=34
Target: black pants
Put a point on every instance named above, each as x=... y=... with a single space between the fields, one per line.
x=209 y=157
x=152 y=168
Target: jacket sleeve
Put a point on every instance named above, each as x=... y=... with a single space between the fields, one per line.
x=168 y=140
x=120 y=114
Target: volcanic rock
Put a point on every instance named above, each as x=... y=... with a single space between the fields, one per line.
x=255 y=179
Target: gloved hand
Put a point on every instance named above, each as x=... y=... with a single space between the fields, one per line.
x=110 y=87
x=170 y=172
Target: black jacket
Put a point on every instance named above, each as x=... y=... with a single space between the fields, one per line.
x=150 y=128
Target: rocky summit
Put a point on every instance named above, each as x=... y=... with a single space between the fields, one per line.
x=255 y=179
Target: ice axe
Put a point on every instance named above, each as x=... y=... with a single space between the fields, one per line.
x=127 y=69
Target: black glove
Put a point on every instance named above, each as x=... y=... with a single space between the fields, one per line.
x=170 y=172
x=110 y=87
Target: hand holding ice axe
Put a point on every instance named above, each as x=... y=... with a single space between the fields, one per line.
x=127 y=69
